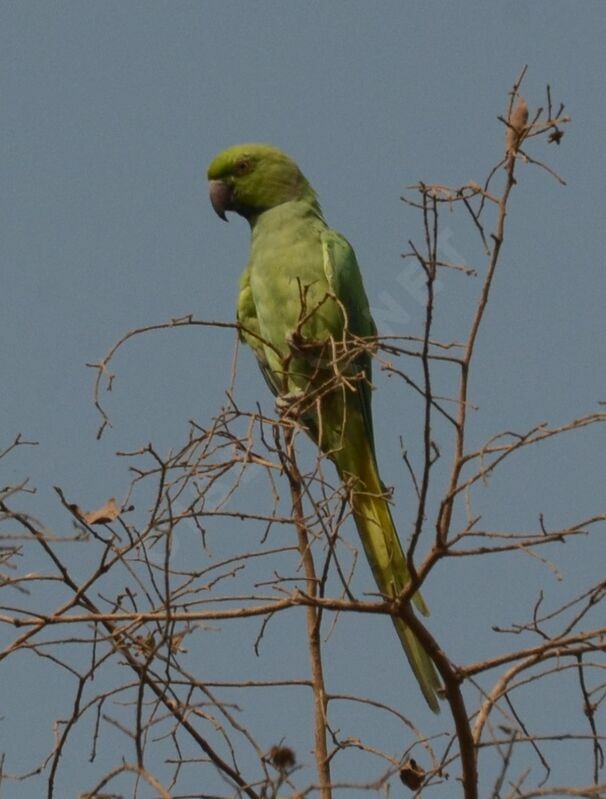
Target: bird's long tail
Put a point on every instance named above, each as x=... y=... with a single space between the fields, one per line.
x=385 y=555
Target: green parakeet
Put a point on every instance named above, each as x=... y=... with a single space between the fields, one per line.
x=304 y=311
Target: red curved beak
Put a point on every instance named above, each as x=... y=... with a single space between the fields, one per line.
x=220 y=197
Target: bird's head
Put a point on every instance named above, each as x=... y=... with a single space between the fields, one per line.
x=252 y=178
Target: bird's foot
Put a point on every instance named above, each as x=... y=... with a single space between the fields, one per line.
x=289 y=405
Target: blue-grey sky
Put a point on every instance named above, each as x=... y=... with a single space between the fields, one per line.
x=111 y=112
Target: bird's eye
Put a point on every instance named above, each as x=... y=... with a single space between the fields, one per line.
x=243 y=166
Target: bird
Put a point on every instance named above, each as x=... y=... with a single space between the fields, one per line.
x=303 y=310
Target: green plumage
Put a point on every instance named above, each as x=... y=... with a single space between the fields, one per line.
x=303 y=310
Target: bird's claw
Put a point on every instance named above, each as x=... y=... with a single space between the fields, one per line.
x=287 y=404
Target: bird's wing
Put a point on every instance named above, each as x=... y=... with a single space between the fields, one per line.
x=345 y=281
